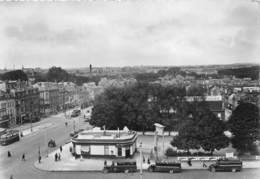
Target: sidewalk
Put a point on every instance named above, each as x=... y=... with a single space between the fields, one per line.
x=69 y=163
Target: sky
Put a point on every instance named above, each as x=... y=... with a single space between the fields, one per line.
x=129 y=33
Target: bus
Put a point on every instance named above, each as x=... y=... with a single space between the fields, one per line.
x=9 y=137
x=121 y=166
x=165 y=166
x=232 y=165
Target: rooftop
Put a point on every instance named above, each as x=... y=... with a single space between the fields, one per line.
x=96 y=135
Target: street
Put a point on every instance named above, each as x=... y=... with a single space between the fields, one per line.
x=32 y=143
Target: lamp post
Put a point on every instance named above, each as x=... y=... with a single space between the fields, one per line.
x=141 y=161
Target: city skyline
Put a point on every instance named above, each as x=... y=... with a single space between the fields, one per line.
x=129 y=33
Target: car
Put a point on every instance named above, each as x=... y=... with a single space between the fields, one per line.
x=233 y=165
x=52 y=143
x=120 y=166
x=165 y=166
x=75 y=113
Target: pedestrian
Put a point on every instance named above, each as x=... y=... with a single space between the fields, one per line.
x=9 y=154
x=143 y=159
x=60 y=148
x=56 y=157
x=105 y=163
x=40 y=159
x=189 y=162
x=23 y=157
x=59 y=156
x=148 y=161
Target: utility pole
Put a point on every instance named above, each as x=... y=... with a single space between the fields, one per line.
x=141 y=161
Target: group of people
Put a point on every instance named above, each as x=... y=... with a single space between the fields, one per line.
x=57 y=157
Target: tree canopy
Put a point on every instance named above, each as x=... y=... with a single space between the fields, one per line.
x=15 y=75
x=244 y=125
x=57 y=74
x=200 y=128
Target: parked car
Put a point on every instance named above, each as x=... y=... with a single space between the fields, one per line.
x=52 y=143
x=121 y=166
x=232 y=165
x=75 y=113
x=165 y=166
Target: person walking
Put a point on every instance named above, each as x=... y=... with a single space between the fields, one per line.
x=189 y=162
x=59 y=156
x=56 y=157
x=9 y=154
x=60 y=148
x=39 y=159
x=23 y=157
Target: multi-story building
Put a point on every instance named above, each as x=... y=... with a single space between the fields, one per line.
x=49 y=97
x=27 y=103
x=215 y=104
x=7 y=110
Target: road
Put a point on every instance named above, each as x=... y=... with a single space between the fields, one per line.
x=31 y=144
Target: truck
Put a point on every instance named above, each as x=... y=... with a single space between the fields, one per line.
x=232 y=165
x=120 y=166
x=165 y=166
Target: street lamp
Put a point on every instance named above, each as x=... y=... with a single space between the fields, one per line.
x=141 y=160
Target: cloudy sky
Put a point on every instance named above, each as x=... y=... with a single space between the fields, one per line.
x=130 y=32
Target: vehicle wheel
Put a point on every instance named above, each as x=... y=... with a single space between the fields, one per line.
x=233 y=170
x=171 y=171
x=150 y=169
x=213 y=169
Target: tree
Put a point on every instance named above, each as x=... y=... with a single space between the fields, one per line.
x=200 y=128
x=15 y=75
x=126 y=106
x=57 y=74
x=244 y=125
x=212 y=133
x=188 y=136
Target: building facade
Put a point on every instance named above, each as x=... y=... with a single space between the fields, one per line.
x=7 y=111
x=108 y=143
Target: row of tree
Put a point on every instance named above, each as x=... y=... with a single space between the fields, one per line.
x=54 y=74
x=143 y=104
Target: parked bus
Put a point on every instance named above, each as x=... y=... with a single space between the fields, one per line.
x=121 y=166
x=165 y=166
x=9 y=137
x=232 y=165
